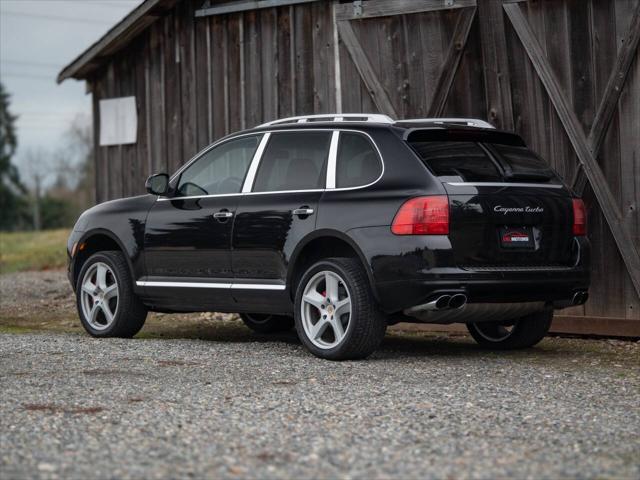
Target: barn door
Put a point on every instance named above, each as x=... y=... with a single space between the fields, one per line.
x=423 y=58
x=587 y=141
x=401 y=58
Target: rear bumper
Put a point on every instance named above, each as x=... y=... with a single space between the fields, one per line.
x=491 y=288
x=410 y=270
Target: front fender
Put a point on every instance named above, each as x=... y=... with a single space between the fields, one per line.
x=123 y=223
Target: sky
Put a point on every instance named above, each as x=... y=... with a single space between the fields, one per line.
x=37 y=39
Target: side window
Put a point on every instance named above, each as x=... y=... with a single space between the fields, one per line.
x=220 y=170
x=357 y=163
x=293 y=161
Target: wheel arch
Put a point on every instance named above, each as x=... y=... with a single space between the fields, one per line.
x=324 y=243
x=98 y=240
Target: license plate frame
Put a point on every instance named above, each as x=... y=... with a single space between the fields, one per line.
x=516 y=238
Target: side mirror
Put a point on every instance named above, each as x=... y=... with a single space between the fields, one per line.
x=157 y=184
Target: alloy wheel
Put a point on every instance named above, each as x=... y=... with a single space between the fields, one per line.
x=99 y=296
x=326 y=309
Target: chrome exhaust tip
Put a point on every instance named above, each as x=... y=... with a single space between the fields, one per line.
x=580 y=298
x=439 y=303
x=458 y=300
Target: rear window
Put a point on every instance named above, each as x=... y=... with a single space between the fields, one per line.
x=522 y=164
x=468 y=161
x=462 y=161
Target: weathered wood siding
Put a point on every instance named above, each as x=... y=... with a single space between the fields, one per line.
x=196 y=79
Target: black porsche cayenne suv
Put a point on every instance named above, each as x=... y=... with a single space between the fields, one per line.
x=341 y=225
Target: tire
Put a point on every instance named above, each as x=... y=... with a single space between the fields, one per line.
x=266 y=323
x=127 y=311
x=354 y=334
x=525 y=332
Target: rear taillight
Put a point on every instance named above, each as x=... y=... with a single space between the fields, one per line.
x=579 y=217
x=423 y=216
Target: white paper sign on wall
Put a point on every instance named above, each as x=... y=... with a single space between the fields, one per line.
x=118 y=121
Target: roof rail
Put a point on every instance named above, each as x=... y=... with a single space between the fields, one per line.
x=470 y=122
x=333 y=117
x=375 y=118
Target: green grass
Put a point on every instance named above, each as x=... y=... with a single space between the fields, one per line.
x=33 y=250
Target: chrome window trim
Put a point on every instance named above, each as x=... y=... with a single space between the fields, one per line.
x=331 y=162
x=375 y=145
x=236 y=286
x=287 y=191
x=255 y=162
x=505 y=184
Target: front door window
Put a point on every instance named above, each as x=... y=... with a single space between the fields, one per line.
x=221 y=170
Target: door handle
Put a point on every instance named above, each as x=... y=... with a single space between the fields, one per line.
x=304 y=211
x=223 y=215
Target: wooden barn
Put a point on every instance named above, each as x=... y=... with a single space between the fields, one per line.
x=564 y=74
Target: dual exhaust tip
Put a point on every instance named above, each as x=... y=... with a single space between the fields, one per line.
x=446 y=301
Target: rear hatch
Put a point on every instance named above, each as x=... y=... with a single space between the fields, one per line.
x=508 y=209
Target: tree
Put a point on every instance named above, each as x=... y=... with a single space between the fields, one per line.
x=73 y=167
x=37 y=172
x=12 y=191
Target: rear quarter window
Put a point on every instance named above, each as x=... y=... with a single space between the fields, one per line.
x=357 y=163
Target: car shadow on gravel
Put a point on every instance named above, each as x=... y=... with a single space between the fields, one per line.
x=404 y=345
x=397 y=344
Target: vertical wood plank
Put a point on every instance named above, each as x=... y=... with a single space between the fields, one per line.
x=252 y=91
x=142 y=170
x=113 y=153
x=323 y=64
x=219 y=72
x=157 y=145
x=557 y=43
x=187 y=66
x=628 y=117
x=284 y=84
x=268 y=88
x=233 y=73
x=608 y=279
x=202 y=94
x=126 y=87
x=303 y=50
x=496 y=71
x=172 y=92
x=98 y=154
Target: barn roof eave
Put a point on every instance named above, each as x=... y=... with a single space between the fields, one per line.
x=116 y=38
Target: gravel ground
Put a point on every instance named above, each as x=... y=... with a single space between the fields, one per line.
x=234 y=405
